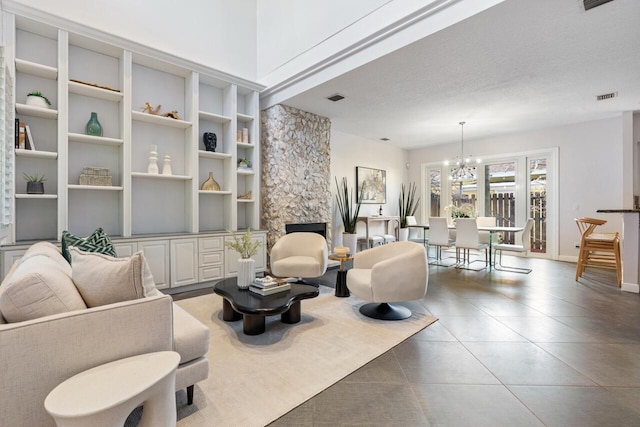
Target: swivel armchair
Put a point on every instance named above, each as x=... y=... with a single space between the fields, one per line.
x=302 y=255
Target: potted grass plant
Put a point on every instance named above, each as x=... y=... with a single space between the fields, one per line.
x=35 y=183
x=348 y=213
x=37 y=99
x=408 y=204
x=246 y=248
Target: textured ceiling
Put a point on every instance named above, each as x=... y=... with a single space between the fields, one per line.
x=518 y=66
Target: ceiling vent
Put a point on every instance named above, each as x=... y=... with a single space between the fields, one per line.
x=335 y=98
x=606 y=96
x=384 y=139
x=590 y=4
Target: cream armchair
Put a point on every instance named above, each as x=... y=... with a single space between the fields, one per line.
x=302 y=255
x=389 y=273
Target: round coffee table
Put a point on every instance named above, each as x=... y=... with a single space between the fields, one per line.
x=252 y=308
x=341 y=279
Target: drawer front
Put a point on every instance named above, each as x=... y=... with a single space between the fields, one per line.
x=210 y=273
x=211 y=258
x=211 y=244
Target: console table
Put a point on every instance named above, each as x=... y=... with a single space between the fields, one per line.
x=378 y=218
x=630 y=247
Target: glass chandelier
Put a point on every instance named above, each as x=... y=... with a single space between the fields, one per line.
x=464 y=166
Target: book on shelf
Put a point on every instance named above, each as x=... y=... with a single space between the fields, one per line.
x=29 y=145
x=16 y=131
x=270 y=291
x=22 y=136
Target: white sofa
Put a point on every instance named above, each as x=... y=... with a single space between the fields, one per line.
x=38 y=354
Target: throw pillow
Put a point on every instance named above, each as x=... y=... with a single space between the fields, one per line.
x=102 y=279
x=98 y=241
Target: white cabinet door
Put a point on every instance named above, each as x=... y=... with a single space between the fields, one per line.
x=124 y=250
x=8 y=258
x=156 y=253
x=184 y=262
x=231 y=257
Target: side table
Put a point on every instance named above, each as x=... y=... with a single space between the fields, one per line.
x=341 y=281
x=106 y=395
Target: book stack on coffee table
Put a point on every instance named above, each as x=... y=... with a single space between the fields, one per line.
x=269 y=285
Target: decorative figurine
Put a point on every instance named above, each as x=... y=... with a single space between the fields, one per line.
x=210 y=141
x=148 y=108
x=172 y=115
x=166 y=168
x=153 y=160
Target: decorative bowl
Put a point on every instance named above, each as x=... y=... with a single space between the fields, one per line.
x=341 y=251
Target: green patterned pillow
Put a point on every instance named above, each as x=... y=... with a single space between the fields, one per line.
x=98 y=241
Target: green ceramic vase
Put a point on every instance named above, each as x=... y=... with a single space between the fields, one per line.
x=93 y=127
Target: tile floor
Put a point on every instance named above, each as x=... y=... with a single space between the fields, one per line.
x=508 y=350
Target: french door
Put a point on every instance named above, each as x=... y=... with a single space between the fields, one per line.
x=511 y=188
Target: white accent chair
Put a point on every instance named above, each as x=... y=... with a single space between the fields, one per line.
x=439 y=237
x=523 y=245
x=389 y=273
x=467 y=239
x=301 y=254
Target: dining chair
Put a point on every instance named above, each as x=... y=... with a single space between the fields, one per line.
x=415 y=234
x=467 y=239
x=598 y=250
x=486 y=221
x=439 y=237
x=522 y=245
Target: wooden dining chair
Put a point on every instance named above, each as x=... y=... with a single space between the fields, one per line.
x=598 y=250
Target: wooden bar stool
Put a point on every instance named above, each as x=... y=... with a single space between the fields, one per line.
x=598 y=250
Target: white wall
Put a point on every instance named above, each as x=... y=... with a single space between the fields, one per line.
x=220 y=34
x=349 y=151
x=590 y=168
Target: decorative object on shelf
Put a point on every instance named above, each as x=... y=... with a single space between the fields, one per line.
x=341 y=251
x=210 y=141
x=92 y=175
x=166 y=168
x=245 y=196
x=371 y=185
x=172 y=115
x=245 y=135
x=239 y=135
x=380 y=211
x=464 y=168
x=148 y=108
x=246 y=247
x=93 y=126
x=408 y=205
x=94 y=85
x=244 y=163
x=348 y=213
x=210 y=184
x=35 y=183
x=37 y=99
x=153 y=160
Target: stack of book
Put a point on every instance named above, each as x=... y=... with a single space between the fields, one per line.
x=269 y=285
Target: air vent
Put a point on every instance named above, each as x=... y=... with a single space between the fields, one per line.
x=590 y=4
x=335 y=98
x=606 y=96
x=384 y=139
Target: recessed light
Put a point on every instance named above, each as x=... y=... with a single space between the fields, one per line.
x=384 y=139
x=335 y=98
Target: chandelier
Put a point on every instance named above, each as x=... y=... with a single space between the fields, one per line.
x=464 y=166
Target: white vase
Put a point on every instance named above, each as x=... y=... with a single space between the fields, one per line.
x=351 y=241
x=404 y=234
x=246 y=272
x=36 y=101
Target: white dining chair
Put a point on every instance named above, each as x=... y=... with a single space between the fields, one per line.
x=486 y=221
x=439 y=238
x=523 y=245
x=415 y=234
x=468 y=239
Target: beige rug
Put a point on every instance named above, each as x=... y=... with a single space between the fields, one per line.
x=254 y=380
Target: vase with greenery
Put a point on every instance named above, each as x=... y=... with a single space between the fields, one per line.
x=408 y=205
x=349 y=212
x=35 y=183
x=246 y=247
x=37 y=99
x=244 y=163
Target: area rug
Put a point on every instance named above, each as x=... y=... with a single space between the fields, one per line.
x=254 y=380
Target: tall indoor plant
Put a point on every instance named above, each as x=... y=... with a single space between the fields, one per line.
x=348 y=213
x=246 y=247
x=408 y=204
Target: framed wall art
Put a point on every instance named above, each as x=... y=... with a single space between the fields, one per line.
x=372 y=185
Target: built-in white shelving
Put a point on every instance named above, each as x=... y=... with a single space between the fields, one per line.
x=159 y=120
x=31 y=111
x=36 y=196
x=214 y=117
x=99 y=140
x=94 y=92
x=244 y=118
x=214 y=155
x=214 y=193
x=36 y=69
x=160 y=176
x=35 y=154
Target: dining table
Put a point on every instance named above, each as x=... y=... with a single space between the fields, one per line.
x=491 y=229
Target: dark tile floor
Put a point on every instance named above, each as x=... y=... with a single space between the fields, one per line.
x=509 y=350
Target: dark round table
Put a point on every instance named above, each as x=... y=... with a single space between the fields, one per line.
x=252 y=308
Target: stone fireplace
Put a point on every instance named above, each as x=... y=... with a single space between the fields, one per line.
x=295 y=184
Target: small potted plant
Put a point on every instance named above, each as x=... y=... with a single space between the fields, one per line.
x=37 y=99
x=246 y=248
x=35 y=183
x=244 y=163
x=349 y=212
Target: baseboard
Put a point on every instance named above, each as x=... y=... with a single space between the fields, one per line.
x=568 y=258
